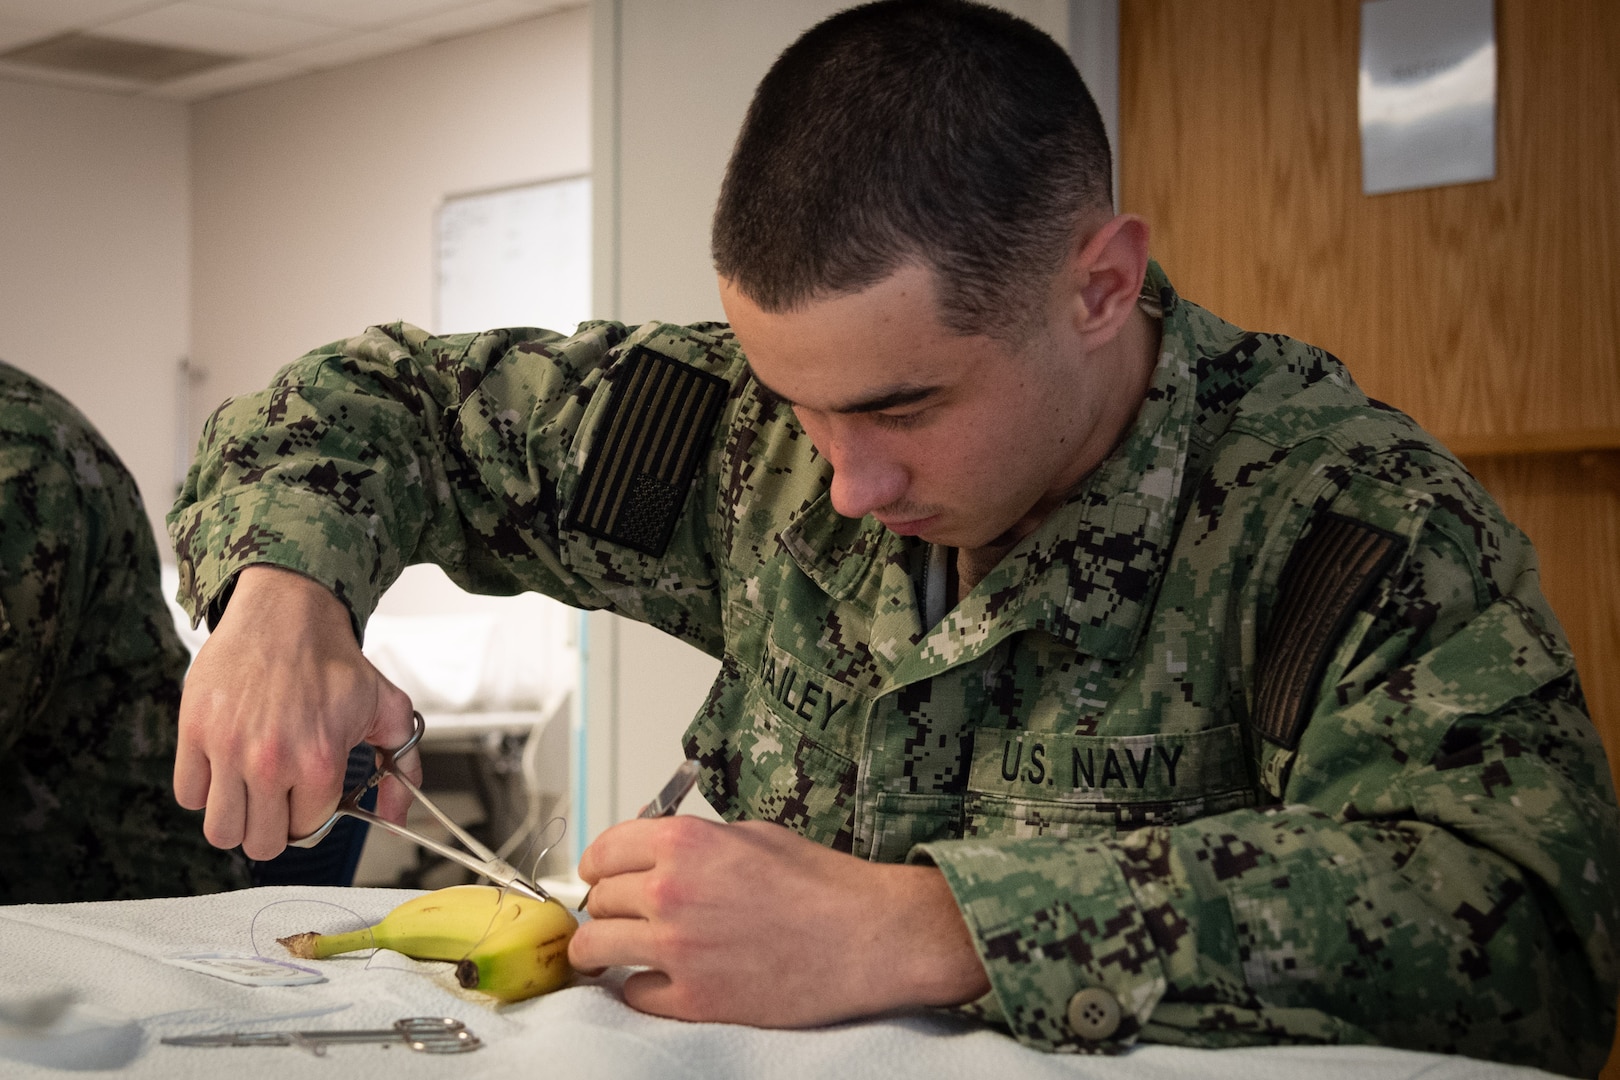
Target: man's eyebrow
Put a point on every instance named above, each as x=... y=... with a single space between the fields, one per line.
x=891 y=398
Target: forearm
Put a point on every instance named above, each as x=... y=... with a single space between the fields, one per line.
x=331 y=472
x=1279 y=926
x=1460 y=902
x=395 y=447
x=1439 y=875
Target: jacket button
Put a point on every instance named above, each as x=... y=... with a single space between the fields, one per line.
x=1094 y=1014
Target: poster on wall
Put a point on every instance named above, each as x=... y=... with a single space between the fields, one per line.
x=1427 y=93
x=519 y=256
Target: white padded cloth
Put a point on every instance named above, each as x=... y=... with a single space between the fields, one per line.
x=109 y=954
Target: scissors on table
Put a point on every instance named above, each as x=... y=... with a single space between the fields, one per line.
x=424 y=1034
x=482 y=860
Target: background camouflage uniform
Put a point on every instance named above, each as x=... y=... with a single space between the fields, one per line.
x=1426 y=858
x=90 y=671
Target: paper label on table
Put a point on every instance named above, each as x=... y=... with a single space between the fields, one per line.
x=246 y=969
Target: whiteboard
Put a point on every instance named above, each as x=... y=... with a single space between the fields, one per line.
x=520 y=256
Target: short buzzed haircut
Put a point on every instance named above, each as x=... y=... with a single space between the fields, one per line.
x=937 y=131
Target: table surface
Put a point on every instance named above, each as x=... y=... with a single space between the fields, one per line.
x=110 y=955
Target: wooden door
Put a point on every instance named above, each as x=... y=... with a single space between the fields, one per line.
x=1488 y=311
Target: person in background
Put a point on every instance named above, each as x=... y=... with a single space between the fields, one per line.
x=1088 y=663
x=90 y=674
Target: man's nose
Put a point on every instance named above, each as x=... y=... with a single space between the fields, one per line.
x=864 y=480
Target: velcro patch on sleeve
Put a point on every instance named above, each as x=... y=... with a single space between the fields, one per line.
x=658 y=425
x=1329 y=576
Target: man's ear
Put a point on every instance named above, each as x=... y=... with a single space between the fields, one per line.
x=1105 y=270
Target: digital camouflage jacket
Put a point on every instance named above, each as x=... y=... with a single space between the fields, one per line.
x=90 y=671
x=1266 y=735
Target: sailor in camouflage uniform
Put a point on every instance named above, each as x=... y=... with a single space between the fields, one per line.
x=90 y=672
x=1158 y=685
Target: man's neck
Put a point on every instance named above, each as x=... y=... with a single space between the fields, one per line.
x=1139 y=343
x=972 y=564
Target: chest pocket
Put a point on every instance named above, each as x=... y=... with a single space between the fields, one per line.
x=786 y=735
x=1032 y=784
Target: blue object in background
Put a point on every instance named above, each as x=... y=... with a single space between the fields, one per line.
x=332 y=861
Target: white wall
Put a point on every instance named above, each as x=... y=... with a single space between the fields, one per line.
x=314 y=198
x=672 y=80
x=94 y=244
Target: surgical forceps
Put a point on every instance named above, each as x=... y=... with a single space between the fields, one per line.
x=487 y=863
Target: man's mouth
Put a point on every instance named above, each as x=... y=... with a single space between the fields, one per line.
x=909 y=526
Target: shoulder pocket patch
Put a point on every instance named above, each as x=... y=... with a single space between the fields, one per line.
x=1328 y=577
x=658 y=426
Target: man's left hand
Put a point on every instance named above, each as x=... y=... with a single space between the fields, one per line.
x=753 y=924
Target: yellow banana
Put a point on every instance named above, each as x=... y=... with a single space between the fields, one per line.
x=510 y=947
x=525 y=952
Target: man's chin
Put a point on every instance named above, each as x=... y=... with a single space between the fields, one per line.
x=956 y=538
x=938 y=528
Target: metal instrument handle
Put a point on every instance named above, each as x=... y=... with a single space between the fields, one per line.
x=488 y=864
x=424 y=1034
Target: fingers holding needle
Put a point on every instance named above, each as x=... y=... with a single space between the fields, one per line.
x=664 y=803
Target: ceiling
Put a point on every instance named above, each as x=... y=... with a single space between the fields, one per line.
x=189 y=50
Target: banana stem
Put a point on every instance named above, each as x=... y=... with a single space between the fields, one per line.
x=313 y=946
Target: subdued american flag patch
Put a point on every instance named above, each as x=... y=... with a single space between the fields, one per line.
x=1329 y=576
x=659 y=423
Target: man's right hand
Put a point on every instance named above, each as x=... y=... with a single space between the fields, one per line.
x=277 y=697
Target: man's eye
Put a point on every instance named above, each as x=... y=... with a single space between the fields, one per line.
x=899 y=421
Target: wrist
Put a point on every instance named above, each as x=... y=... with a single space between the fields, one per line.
x=271 y=595
x=933 y=954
